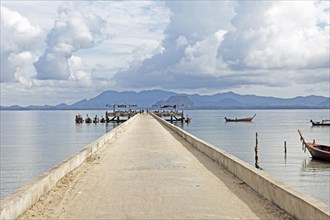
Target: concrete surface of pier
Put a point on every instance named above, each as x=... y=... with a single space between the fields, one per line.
x=149 y=172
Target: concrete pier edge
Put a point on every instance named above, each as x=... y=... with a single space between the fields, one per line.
x=17 y=203
x=297 y=204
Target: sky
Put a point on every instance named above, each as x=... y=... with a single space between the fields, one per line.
x=56 y=52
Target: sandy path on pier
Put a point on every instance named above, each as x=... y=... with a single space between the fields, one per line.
x=148 y=172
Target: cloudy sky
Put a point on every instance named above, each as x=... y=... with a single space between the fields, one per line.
x=54 y=52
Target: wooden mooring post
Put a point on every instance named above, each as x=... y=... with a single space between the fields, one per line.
x=256 y=152
x=285 y=148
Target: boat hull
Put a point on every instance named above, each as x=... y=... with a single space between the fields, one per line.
x=318 y=154
x=317 y=123
x=239 y=119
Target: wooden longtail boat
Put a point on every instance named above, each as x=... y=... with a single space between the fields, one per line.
x=240 y=119
x=321 y=123
x=318 y=151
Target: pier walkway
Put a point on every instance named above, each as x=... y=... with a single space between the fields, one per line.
x=148 y=172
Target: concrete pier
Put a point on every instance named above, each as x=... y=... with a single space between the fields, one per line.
x=150 y=169
x=148 y=172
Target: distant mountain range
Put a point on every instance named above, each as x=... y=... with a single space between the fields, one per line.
x=155 y=98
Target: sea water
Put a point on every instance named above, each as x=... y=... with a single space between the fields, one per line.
x=32 y=142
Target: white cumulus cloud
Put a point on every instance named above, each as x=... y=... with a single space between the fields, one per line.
x=19 y=41
x=73 y=31
x=201 y=57
x=277 y=35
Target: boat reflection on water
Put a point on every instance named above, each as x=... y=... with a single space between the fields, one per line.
x=314 y=179
x=310 y=164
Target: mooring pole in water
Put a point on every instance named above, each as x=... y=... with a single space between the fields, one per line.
x=256 y=152
x=285 y=148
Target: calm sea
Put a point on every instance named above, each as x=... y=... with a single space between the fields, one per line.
x=34 y=141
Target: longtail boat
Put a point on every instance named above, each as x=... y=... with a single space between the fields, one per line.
x=318 y=151
x=240 y=119
x=321 y=123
